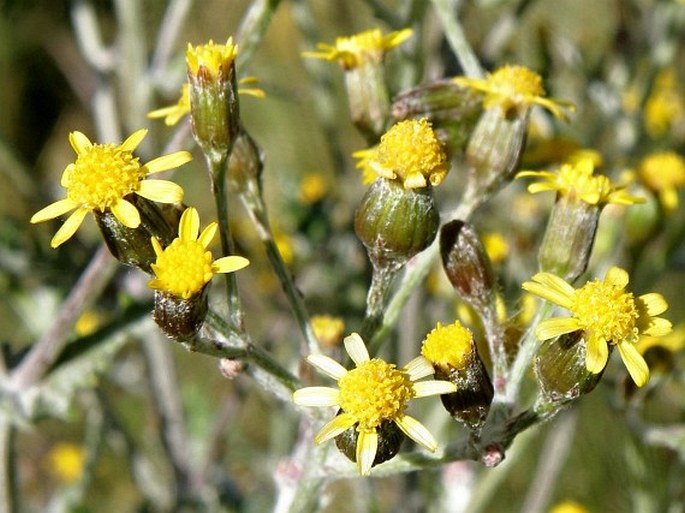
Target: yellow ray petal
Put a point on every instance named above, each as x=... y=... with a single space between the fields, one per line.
x=634 y=362
x=316 y=396
x=417 y=432
x=207 y=235
x=339 y=424
x=354 y=345
x=169 y=161
x=367 y=446
x=189 y=225
x=79 y=142
x=596 y=356
x=126 y=213
x=327 y=365
x=161 y=191
x=419 y=368
x=53 y=210
x=617 y=277
x=229 y=264
x=69 y=227
x=433 y=387
x=653 y=303
x=552 y=328
x=133 y=140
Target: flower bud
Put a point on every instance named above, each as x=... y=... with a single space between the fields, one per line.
x=395 y=223
x=561 y=370
x=131 y=246
x=245 y=164
x=452 y=110
x=454 y=356
x=570 y=234
x=180 y=318
x=390 y=439
x=213 y=93
x=367 y=95
x=466 y=264
x=494 y=150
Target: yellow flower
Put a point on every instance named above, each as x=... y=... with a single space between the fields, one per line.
x=313 y=187
x=448 y=346
x=410 y=153
x=577 y=179
x=514 y=87
x=664 y=106
x=174 y=113
x=328 y=329
x=373 y=392
x=607 y=314
x=496 y=247
x=569 y=507
x=212 y=59
x=354 y=51
x=101 y=178
x=663 y=173
x=66 y=461
x=185 y=266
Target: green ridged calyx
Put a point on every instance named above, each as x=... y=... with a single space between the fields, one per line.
x=395 y=223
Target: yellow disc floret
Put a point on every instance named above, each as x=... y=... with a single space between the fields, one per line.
x=375 y=391
x=448 y=345
x=102 y=176
x=215 y=59
x=184 y=268
x=410 y=153
x=607 y=311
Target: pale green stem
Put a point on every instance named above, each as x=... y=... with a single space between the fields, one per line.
x=237 y=344
x=217 y=167
x=253 y=27
x=49 y=346
x=381 y=279
x=254 y=203
x=446 y=10
x=168 y=35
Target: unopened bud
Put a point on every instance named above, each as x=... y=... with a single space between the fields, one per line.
x=467 y=265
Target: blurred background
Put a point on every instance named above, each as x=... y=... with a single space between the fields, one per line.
x=96 y=444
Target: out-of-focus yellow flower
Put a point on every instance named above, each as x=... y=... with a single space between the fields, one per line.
x=663 y=173
x=514 y=87
x=89 y=321
x=569 y=507
x=674 y=341
x=328 y=329
x=354 y=51
x=66 y=461
x=285 y=245
x=665 y=105
x=313 y=187
x=495 y=246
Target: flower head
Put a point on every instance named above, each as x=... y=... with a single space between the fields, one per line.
x=576 y=179
x=368 y=395
x=211 y=59
x=663 y=173
x=102 y=176
x=410 y=153
x=328 y=329
x=664 y=107
x=449 y=345
x=354 y=51
x=607 y=314
x=67 y=461
x=514 y=87
x=185 y=266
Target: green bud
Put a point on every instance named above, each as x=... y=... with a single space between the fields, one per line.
x=560 y=368
x=467 y=265
x=245 y=164
x=395 y=223
x=452 y=110
x=367 y=95
x=131 y=246
x=570 y=234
